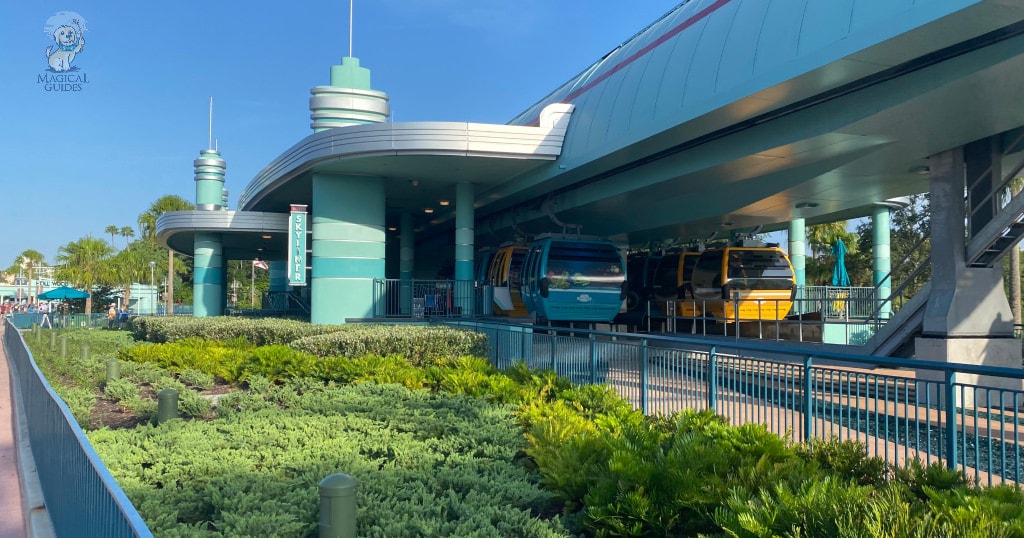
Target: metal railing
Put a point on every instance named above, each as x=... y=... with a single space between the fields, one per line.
x=416 y=298
x=82 y=498
x=843 y=302
x=901 y=409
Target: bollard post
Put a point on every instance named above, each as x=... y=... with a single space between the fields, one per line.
x=84 y=354
x=167 y=405
x=63 y=346
x=53 y=340
x=338 y=506
x=113 y=370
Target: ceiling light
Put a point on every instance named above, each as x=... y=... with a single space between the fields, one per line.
x=920 y=170
x=802 y=205
x=392 y=228
x=428 y=210
x=445 y=202
x=265 y=236
x=727 y=223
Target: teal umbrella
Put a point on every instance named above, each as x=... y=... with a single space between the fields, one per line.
x=839 y=275
x=63 y=292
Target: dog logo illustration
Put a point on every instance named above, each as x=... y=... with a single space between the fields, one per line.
x=67 y=29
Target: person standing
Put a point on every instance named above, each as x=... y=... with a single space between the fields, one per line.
x=111 y=316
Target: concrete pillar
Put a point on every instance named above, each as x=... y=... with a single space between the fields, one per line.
x=882 y=263
x=465 y=214
x=406 y=261
x=348 y=246
x=967 y=318
x=207 y=276
x=798 y=257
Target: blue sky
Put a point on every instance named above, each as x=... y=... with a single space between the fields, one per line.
x=75 y=162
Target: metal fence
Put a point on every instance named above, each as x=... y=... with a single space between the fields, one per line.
x=426 y=298
x=82 y=498
x=842 y=302
x=901 y=409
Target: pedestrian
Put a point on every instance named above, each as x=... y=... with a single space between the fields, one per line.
x=122 y=318
x=111 y=316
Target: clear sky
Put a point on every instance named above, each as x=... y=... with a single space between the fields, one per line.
x=74 y=162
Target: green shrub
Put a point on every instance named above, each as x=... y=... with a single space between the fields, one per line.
x=258 y=332
x=420 y=345
x=196 y=378
x=846 y=458
x=80 y=402
x=818 y=507
x=191 y=404
x=120 y=390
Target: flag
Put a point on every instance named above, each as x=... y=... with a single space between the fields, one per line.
x=261 y=264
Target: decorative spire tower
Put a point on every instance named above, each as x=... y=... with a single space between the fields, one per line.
x=349 y=100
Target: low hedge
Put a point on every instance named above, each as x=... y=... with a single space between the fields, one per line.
x=259 y=331
x=420 y=345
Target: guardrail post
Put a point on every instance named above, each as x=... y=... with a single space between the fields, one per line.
x=952 y=461
x=53 y=340
x=808 y=400
x=712 y=380
x=644 y=356
x=593 y=359
x=84 y=352
x=338 y=506
x=63 y=346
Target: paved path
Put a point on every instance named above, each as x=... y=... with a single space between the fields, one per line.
x=12 y=514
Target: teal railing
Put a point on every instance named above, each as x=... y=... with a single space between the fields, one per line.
x=901 y=409
x=82 y=498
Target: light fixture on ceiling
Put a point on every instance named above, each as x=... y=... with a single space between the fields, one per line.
x=428 y=210
x=265 y=236
x=444 y=202
x=920 y=170
x=727 y=223
x=259 y=250
x=392 y=228
x=414 y=182
x=803 y=205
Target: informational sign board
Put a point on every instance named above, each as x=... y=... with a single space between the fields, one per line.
x=297 y=221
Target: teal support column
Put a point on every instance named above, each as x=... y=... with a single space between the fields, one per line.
x=207 y=277
x=465 y=213
x=798 y=257
x=348 y=246
x=406 y=261
x=223 y=295
x=881 y=256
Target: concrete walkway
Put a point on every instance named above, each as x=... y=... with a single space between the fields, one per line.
x=12 y=501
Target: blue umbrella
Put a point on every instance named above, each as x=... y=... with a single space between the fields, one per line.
x=839 y=275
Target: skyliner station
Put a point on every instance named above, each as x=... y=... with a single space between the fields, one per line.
x=723 y=117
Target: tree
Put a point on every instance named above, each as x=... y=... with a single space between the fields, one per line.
x=169 y=202
x=126 y=232
x=112 y=230
x=910 y=226
x=83 y=264
x=25 y=262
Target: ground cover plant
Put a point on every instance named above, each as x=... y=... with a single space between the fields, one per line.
x=449 y=446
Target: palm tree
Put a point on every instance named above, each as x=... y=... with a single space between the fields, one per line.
x=83 y=264
x=26 y=261
x=169 y=202
x=112 y=230
x=126 y=268
x=126 y=232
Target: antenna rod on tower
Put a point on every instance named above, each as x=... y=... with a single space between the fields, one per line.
x=350 y=27
x=209 y=140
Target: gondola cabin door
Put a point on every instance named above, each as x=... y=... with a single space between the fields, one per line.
x=574 y=280
x=504 y=275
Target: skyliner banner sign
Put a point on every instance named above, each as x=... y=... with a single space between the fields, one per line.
x=297 y=245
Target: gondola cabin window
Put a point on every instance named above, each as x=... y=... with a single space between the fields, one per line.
x=759 y=270
x=582 y=265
